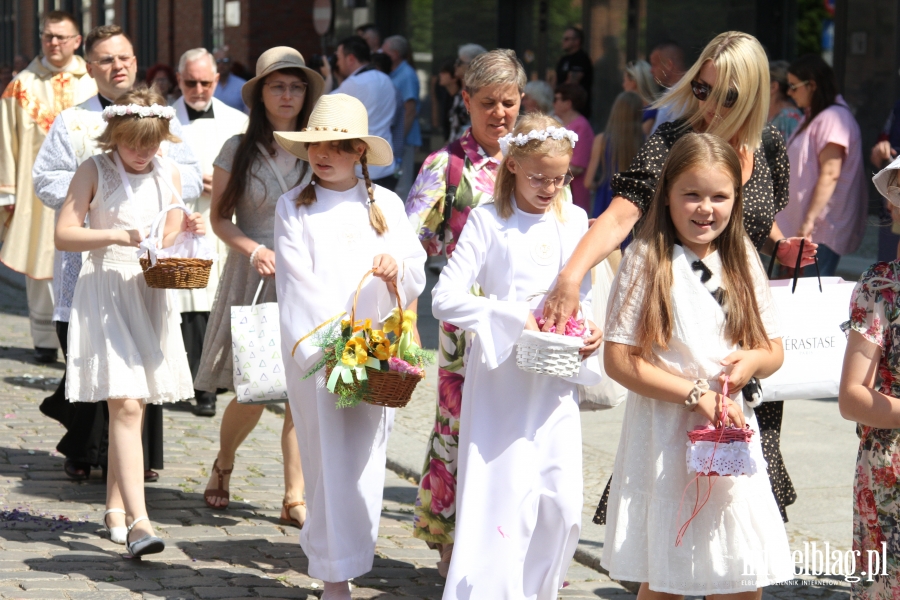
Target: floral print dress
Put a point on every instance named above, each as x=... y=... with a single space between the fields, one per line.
x=875 y=314
x=435 y=509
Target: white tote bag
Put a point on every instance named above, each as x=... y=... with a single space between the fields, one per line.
x=258 y=373
x=814 y=344
x=607 y=393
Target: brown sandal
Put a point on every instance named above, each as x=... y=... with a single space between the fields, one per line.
x=219 y=492
x=286 y=518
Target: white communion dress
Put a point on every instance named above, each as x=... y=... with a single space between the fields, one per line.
x=321 y=252
x=124 y=341
x=737 y=542
x=520 y=489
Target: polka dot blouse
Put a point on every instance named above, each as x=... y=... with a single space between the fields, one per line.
x=765 y=193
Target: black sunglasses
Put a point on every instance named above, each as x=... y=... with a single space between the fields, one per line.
x=703 y=90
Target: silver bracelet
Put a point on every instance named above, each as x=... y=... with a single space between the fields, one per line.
x=253 y=255
x=701 y=386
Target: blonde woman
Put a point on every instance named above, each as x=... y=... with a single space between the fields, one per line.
x=615 y=148
x=638 y=78
x=725 y=93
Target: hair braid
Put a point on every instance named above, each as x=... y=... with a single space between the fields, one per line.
x=307 y=195
x=376 y=217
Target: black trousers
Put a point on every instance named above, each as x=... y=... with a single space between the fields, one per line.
x=193 y=330
x=86 y=439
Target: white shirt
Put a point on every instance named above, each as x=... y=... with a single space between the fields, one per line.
x=376 y=91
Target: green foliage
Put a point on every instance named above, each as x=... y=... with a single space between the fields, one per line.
x=811 y=14
x=421 y=21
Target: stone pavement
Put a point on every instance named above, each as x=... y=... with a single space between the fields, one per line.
x=51 y=545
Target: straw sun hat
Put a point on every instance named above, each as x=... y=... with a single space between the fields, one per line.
x=276 y=59
x=337 y=117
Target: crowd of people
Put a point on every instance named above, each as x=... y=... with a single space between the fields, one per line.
x=300 y=179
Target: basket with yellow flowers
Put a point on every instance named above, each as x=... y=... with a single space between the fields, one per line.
x=378 y=366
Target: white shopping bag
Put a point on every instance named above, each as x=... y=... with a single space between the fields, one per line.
x=607 y=393
x=258 y=374
x=813 y=341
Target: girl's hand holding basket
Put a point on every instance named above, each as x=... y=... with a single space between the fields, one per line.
x=385 y=268
x=194 y=223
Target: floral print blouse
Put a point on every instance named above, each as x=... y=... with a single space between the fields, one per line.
x=875 y=314
x=476 y=187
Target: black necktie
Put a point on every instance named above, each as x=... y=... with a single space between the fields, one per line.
x=193 y=115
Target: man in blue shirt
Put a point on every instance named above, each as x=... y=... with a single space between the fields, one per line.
x=406 y=81
x=228 y=91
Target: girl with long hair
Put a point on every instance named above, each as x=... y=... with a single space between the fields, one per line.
x=250 y=174
x=639 y=79
x=520 y=479
x=691 y=312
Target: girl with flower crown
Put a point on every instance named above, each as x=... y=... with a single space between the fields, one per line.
x=125 y=345
x=328 y=235
x=519 y=495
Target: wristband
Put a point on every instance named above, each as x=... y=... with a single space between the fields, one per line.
x=701 y=386
x=254 y=254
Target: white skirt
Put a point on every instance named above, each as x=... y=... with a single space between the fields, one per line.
x=124 y=342
x=737 y=541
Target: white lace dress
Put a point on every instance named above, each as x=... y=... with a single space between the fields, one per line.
x=124 y=341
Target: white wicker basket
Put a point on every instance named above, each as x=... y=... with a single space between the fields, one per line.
x=549 y=353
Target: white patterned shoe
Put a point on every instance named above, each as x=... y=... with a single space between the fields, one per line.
x=116 y=534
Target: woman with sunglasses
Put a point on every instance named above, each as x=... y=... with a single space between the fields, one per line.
x=249 y=175
x=725 y=93
x=828 y=192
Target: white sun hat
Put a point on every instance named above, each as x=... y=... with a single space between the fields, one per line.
x=337 y=117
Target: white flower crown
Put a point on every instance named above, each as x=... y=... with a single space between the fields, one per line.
x=557 y=133
x=139 y=111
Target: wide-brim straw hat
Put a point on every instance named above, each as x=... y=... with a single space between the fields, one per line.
x=276 y=59
x=337 y=117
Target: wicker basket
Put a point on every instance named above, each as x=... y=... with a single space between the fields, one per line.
x=549 y=353
x=174 y=273
x=384 y=388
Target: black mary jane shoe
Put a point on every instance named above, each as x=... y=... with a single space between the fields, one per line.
x=206 y=405
x=77 y=471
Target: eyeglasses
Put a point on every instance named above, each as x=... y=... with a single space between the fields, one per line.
x=222 y=61
x=49 y=37
x=793 y=86
x=703 y=90
x=191 y=84
x=278 y=89
x=539 y=181
x=107 y=61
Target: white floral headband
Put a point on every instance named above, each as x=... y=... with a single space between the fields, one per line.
x=139 y=111
x=557 y=133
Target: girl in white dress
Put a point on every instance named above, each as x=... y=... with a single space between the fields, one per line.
x=328 y=234
x=519 y=498
x=691 y=306
x=125 y=345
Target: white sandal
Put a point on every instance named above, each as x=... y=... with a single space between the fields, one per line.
x=149 y=544
x=117 y=535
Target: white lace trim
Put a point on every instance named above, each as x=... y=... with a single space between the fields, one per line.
x=736 y=458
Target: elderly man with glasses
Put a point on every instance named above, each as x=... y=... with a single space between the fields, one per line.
x=52 y=82
x=207 y=123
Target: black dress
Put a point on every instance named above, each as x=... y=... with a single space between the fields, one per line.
x=765 y=194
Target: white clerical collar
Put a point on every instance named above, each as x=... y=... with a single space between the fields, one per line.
x=73 y=64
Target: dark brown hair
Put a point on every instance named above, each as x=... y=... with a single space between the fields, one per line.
x=573 y=93
x=812 y=68
x=133 y=131
x=58 y=16
x=98 y=34
x=259 y=130
x=743 y=323
x=376 y=217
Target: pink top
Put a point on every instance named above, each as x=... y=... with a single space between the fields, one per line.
x=842 y=222
x=581 y=156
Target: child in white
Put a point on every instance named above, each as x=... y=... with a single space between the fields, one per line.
x=328 y=234
x=689 y=308
x=125 y=345
x=519 y=498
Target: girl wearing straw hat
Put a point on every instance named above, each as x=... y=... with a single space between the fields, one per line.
x=327 y=235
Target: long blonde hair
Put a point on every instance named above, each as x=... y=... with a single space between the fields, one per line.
x=505 y=186
x=743 y=323
x=639 y=72
x=307 y=195
x=623 y=134
x=741 y=64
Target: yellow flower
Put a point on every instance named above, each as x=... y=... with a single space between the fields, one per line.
x=355 y=352
x=382 y=349
x=362 y=325
x=393 y=322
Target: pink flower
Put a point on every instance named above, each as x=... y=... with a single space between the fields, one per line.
x=449 y=393
x=442 y=428
x=442 y=486
x=457 y=220
x=868 y=508
x=448 y=327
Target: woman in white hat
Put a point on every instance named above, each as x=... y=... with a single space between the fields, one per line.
x=328 y=234
x=249 y=175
